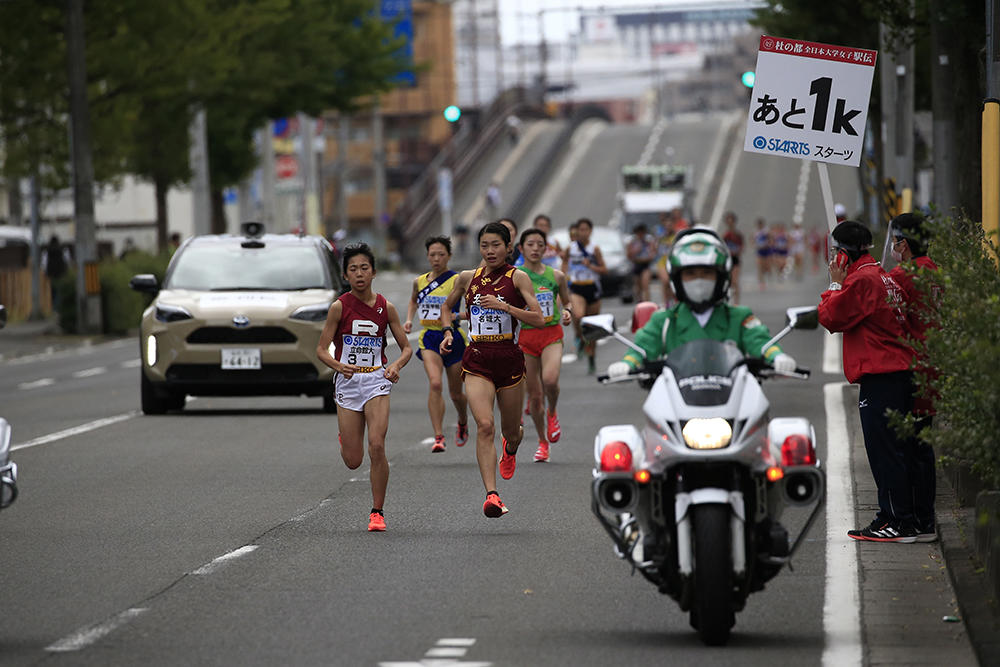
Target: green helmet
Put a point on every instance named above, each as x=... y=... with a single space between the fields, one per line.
x=700 y=246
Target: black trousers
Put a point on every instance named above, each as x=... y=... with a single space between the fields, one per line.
x=903 y=468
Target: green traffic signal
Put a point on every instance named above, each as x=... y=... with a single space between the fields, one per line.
x=452 y=113
x=748 y=78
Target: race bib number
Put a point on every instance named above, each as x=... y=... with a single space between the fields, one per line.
x=363 y=351
x=487 y=324
x=547 y=302
x=430 y=310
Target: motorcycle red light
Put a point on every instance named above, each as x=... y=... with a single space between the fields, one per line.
x=616 y=457
x=797 y=450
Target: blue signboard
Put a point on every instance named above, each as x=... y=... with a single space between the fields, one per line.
x=400 y=13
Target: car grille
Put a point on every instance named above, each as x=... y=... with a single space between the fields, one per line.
x=229 y=335
x=268 y=373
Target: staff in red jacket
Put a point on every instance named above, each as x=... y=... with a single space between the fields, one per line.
x=909 y=247
x=866 y=304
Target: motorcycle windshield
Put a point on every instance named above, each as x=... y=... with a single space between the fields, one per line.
x=703 y=370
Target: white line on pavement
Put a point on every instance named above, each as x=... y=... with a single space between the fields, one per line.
x=90 y=372
x=727 y=178
x=841 y=602
x=76 y=430
x=582 y=138
x=710 y=167
x=92 y=633
x=132 y=363
x=215 y=564
x=832 y=345
x=35 y=384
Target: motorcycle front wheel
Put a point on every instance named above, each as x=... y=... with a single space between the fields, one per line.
x=712 y=612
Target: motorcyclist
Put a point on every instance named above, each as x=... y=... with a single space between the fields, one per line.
x=700 y=266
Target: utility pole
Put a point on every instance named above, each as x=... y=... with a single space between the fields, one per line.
x=88 y=284
x=943 y=109
x=36 y=249
x=343 y=136
x=897 y=108
x=991 y=123
x=201 y=193
x=267 y=197
x=378 y=162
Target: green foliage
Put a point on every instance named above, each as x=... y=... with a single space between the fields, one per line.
x=964 y=346
x=121 y=306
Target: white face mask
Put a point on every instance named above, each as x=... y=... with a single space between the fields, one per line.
x=896 y=255
x=699 y=290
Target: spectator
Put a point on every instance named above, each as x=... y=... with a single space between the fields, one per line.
x=762 y=242
x=174 y=243
x=493 y=200
x=866 y=305
x=797 y=243
x=815 y=240
x=128 y=249
x=55 y=264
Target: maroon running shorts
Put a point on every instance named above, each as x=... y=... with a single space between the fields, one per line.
x=500 y=363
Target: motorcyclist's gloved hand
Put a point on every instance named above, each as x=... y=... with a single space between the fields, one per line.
x=784 y=363
x=619 y=369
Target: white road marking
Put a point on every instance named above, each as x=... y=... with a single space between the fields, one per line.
x=841 y=602
x=132 y=363
x=456 y=641
x=710 y=167
x=652 y=142
x=75 y=430
x=91 y=372
x=209 y=568
x=582 y=138
x=92 y=633
x=445 y=652
x=44 y=382
x=727 y=179
x=832 y=346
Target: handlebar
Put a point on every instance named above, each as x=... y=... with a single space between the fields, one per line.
x=759 y=368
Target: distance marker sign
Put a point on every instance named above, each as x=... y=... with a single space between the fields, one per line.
x=810 y=101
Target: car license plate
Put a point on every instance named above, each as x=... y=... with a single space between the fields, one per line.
x=244 y=358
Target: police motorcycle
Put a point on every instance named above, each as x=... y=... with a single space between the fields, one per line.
x=8 y=469
x=693 y=500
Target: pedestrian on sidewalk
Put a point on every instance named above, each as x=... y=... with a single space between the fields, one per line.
x=865 y=304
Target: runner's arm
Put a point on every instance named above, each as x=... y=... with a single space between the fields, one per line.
x=326 y=337
x=405 y=350
x=532 y=315
x=461 y=284
x=597 y=264
x=411 y=309
x=565 y=302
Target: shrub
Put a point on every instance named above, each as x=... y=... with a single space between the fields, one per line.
x=964 y=347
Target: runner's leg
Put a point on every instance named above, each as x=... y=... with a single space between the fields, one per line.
x=481 y=393
x=536 y=399
x=510 y=400
x=352 y=434
x=578 y=311
x=551 y=367
x=434 y=367
x=592 y=309
x=377 y=416
x=458 y=398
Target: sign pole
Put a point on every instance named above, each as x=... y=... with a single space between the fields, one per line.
x=824 y=186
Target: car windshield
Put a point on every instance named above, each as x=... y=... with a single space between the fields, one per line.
x=232 y=267
x=703 y=370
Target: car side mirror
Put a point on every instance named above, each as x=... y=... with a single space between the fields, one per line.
x=596 y=327
x=3 y=316
x=144 y=282
x=802 y=317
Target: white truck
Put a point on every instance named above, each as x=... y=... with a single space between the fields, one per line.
x=646 y=193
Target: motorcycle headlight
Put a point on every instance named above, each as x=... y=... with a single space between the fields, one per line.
x=312 y=313
x=714 y=433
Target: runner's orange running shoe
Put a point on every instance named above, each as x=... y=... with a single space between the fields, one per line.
x=508 y=462
x=554 y=431
x=376 y=523
x=494 y=507
x=542 y=453
x=438 y=445
x=462 y=436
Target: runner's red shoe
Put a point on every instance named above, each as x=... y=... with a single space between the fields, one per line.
x=462 y=436
x=376 y=523
x=494 y=507
x=508 y=462
x=554 y=431
x=438 y=445
x=542 y=453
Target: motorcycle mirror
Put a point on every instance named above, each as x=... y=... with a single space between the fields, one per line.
x=596 y=327
x=3 y=316
x=802 y=317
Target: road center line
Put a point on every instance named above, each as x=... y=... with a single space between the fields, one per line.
x=75 y=430
x=35 y=384
x=92 y=633
x=841 y=601
x=212 y=566
x=90 y=372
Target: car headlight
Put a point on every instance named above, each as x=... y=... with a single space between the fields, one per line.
x=312 y=313
x=714 y=433
x=167 y=313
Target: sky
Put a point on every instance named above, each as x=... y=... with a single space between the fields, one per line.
x=519 y=18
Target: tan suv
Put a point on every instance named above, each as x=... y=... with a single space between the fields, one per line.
x=238 y=316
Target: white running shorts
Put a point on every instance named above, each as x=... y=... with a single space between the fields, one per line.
x=352 y=393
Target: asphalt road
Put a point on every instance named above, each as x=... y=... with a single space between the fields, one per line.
x=233 y=534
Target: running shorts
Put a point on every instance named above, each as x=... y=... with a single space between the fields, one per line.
x=352 y=393
x=430 y=339
x=639 y=267
x=591 y=292
x=533 y=341
x=500 y=363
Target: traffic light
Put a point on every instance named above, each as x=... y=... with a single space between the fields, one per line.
x=748 y=78
x=452 y=113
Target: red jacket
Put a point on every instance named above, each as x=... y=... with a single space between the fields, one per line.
x=917 y=310
x=868 y=309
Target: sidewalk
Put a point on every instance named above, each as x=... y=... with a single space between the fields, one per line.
x=910 y=612
x=23 y=339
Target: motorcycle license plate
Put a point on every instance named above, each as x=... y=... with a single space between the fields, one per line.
x=241 y=359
